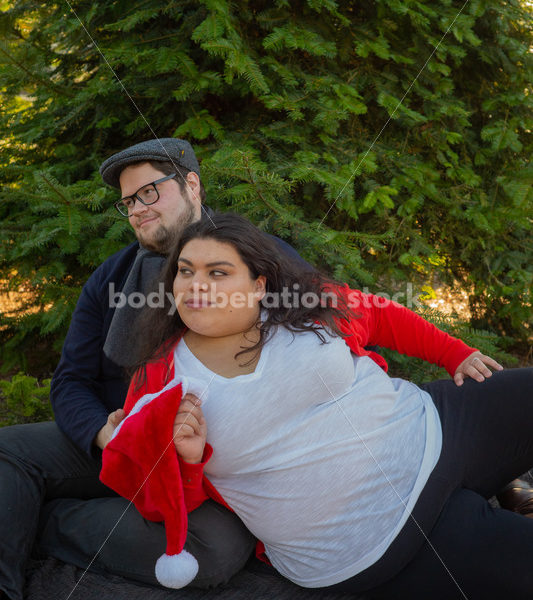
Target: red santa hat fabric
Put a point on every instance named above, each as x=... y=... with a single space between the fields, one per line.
x=141 y=464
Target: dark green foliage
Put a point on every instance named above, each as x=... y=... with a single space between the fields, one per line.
x=283 y=102
x=24 y=400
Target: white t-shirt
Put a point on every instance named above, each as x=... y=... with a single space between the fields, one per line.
x=319 y=452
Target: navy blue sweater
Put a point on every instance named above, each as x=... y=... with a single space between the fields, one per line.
x=86 y=385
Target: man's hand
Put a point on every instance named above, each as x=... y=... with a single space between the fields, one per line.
x=475 y=366
x=190 y=430
x=104 y=435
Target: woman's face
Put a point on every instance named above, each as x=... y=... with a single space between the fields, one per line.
x=214 y=291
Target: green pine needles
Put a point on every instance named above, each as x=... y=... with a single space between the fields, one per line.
x=283 y=102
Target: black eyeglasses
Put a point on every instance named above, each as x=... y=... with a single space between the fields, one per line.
x=146 y=195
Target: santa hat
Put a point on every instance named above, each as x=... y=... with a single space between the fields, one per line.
x=141 y=464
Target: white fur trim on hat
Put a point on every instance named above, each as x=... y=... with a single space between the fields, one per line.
x=176 y=571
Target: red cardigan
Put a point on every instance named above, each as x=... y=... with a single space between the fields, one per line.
x=380 y=322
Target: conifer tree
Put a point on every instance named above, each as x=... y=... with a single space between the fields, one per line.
x=387 y=140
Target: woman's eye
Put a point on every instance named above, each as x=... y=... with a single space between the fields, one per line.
x=184 y=271
x=217 y=273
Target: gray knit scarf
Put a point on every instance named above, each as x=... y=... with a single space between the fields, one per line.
x=121 y=343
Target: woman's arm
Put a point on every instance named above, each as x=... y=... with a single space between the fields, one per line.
x=389 y=324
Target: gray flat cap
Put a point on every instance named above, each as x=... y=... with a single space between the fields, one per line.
x=173 y=150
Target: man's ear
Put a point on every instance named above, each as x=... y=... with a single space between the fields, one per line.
x=193 y=189
x=193 y=181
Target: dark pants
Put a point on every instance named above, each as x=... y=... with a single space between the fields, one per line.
x=468 y=549
x=41 y=466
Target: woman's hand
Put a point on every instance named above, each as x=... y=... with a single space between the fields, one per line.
x=476 y=366
x=190 y=429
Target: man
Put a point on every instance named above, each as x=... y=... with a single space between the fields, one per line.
x=58 y=463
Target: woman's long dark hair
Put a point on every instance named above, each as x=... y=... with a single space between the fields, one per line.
x=160 y=328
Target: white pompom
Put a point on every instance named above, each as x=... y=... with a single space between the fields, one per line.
x=176 y=571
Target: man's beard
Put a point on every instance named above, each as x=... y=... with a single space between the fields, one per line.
x=164 y=238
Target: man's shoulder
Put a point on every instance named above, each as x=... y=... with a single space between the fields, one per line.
x=126 y=254
x=115 y=267
x=290 y=252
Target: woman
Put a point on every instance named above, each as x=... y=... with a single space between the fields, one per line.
x=352 y=480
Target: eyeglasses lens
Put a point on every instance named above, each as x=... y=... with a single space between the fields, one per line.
x=147 y=195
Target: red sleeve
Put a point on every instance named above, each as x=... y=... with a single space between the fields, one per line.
x=157 y=375
x=389 y=324
x=192 y=476
x=132 y=396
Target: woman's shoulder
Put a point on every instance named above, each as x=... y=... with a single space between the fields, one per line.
x=157 y=374
x=309 y=361
x=318 y=342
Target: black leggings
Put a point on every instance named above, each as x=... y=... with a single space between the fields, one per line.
x=468 y=549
